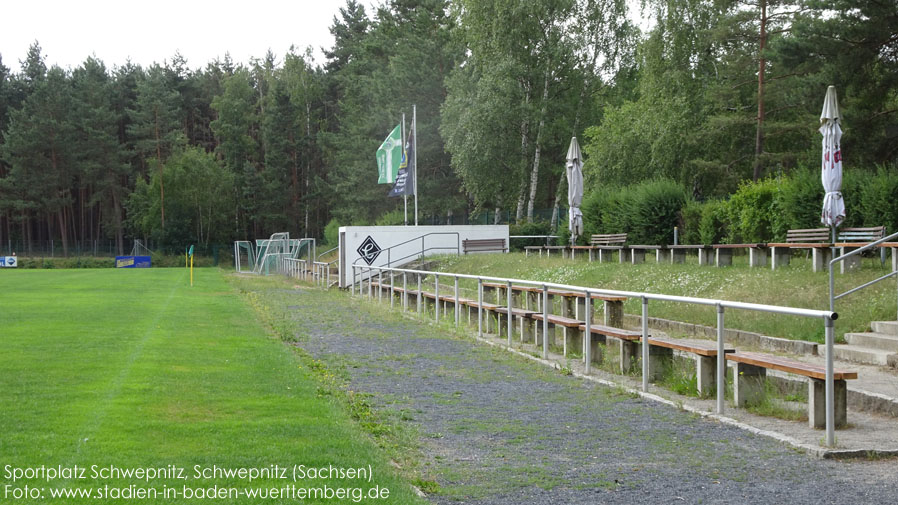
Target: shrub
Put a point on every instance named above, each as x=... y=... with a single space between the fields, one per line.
x=536 y=227
x=332 y=232
x=655 y=211
x=690 y=219
x=713 y=224
x=750 y=212
x=878 y=202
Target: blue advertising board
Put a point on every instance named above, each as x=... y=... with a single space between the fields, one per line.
x=132 y=262
x=8 y=262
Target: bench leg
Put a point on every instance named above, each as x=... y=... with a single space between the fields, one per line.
x=662 y=255
x=573 y=340
x=637 y=256
x=660 y=359
x=568 y=306
x=817 y=403
x=779 y=257
x=624 y=255
x=757 y=257
x=526 y=327
x=596 y=344
x=748 y=384
x=706 y=373
x=540 y=336
x=820 y=258
x=614 y=314
x=533 y=301
x=590 y=256
x=704 y=256
x=849 y=264
x=678 y=256
x=627 y=351
x=724 y=257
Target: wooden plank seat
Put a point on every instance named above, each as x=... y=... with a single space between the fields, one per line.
x=573 y=304
x=469 y=245
x=520 y=318
x=678 y=253
x=606 y=244
x=850 y=239
x=536 y=248
x=626 y=343
x=567 y=326
x=705 y=359
x=757 y=254
x=816 y=239
x=637 y=253
x=751 y=370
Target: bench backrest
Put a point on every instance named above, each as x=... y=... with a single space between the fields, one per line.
x=609 y=239
x=862 y=234
x=808 y=235
x=484 y=244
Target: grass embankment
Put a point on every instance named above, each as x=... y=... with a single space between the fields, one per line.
x=794 y=286
x=135 y=369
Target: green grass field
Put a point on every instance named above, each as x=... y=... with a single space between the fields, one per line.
x=135 y=369
x=794 y=286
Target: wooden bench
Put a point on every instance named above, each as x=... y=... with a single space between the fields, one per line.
x=815 y=239
x=484 y=245
x=570 y=331
x=751 y=370
x=626 y=342
x=757 y=254
x=523 y=317
x=678 y=253
x=850 y=239
x=705 y=359
x=637 y=253
x=607 y=244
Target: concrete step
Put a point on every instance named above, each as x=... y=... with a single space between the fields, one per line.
x=879 y=341
x=862 y=354
x=886 y=327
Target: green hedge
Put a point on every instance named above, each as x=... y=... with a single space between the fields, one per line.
x=764 y=211
x=647 y=211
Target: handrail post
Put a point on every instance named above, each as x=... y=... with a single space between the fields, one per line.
x=418 y=307
x=404 y=292
x=479 y=307
x=508 y=320
x=436 y=298
x=545 y=322
x=380 y=285
x=721 y=361
x=392 y=288
x=830 y=383
x=369 y=283
x=645 y=344
x=457 y=309
x=587 y=335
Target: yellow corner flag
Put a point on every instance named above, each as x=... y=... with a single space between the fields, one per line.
x=190 y=253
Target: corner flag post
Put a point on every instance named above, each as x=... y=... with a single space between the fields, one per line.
x=415 y=154
x=190 y=253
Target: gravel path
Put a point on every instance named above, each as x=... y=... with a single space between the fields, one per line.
x=499 y=429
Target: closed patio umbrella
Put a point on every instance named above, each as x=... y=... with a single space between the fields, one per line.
x=833 y=205
x=574 y=170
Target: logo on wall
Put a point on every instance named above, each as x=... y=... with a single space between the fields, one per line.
x=369 y=250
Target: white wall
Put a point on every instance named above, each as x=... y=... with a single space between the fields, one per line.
x=436 y=240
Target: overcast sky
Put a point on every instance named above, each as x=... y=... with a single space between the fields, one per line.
x=147 y=31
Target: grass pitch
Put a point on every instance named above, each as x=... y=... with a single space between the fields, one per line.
x=134 y=369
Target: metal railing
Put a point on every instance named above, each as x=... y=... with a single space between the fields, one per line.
x=391 y=260
x=832 y=286
x=318 y=272
x=721 y=305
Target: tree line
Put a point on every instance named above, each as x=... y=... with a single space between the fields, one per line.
x=710 y=93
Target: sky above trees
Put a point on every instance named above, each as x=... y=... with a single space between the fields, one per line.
x=200 y=31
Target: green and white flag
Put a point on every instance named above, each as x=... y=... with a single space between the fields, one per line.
x=389 y=155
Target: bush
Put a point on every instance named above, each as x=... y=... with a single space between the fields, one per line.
x=655 y=211
x=690 y=219
x=713 y=225
x=878 y=202
x=536 y=227
x=750 y=212
x=332 y=232
x=392 y=218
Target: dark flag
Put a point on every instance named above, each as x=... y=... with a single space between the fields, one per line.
x=405 y=179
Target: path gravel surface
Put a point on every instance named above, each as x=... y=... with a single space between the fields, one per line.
x=500 y=429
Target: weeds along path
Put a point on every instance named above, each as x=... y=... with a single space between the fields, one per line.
x=479 y=425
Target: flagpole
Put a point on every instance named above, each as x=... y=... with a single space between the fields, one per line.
x=402 y=137
x=415 y=140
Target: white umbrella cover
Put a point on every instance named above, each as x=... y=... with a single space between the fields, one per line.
x=833 y=205
x=574 y=170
